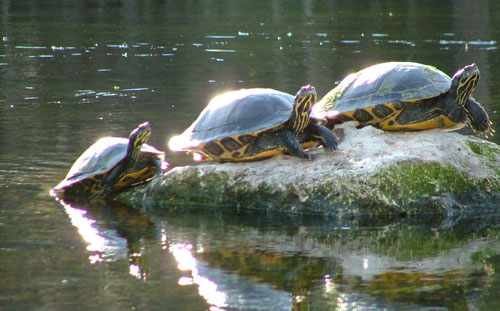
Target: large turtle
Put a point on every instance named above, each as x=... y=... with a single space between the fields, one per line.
x=397 y=96
x=113 y=164
x=253 y=124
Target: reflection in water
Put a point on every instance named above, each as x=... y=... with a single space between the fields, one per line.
x=105 y=244
x=365 y=265
x=238 y=261
x=87 y=231
x=206 y=287
x=223 y=289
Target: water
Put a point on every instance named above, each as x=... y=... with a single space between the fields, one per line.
x=71 y=72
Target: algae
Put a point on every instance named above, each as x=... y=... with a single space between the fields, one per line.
x=419 y=184
x=487 y=153
x=193 y=187
x=481 y=148
x=403 y=187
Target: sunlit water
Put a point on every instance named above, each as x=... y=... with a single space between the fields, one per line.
x=71 y=73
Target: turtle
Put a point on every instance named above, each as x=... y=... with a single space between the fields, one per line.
x=255 y=124
x=405 y=96
x=113 y=164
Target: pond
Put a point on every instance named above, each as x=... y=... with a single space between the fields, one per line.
x=74 y=71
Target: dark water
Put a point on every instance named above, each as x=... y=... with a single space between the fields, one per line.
x=73 y=71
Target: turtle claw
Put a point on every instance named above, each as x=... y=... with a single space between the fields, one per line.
x=331 y=146
x=311 y=156
x=489 y=132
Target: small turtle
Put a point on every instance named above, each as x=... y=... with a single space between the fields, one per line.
x=405 y=96
x=254 y=124
x=113 y=164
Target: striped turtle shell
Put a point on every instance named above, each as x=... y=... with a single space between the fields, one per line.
x=383 y=83
x=232 y=120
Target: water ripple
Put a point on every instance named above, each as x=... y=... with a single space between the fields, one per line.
x=81 y=93
x=118 y=46
x=219 y=37
x=480 y=42
x=137 y=89
x=349 y=41
x=403 y=42
x=219 y=51
x=27 y=47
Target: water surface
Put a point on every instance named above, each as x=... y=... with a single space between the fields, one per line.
x=71 y=72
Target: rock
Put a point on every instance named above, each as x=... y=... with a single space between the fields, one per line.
x=372 y=172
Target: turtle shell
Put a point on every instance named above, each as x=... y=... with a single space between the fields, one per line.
x=381 y=84
x=236 y=113
x=100 y=158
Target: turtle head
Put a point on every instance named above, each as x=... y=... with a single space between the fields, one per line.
x=463 y=83
x=137 y=138
x=304 y=100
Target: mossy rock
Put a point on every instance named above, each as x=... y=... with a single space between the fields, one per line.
x=372 y=172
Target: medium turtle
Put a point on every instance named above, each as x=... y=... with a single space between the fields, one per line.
x=405 y=96
x=254 y=124
x=113 y=164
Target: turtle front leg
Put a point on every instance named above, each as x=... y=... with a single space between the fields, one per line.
x=292 y=144
x=323 y=135
x=455 y=112
x=478 y=118
x=109 y=181
x=157 y=163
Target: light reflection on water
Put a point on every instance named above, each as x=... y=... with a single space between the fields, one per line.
x=206 y=287
x=222 y=289
x=102 y=247
x=144 y=49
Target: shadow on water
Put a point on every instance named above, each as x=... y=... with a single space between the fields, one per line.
x=254 y=260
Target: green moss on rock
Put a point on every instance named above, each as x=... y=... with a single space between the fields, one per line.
x=408 y=181
x=193 y=187
x=483 y=148
x=404 y=187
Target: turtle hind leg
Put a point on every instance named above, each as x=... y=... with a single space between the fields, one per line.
x=339 y=119
x=323 y=135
